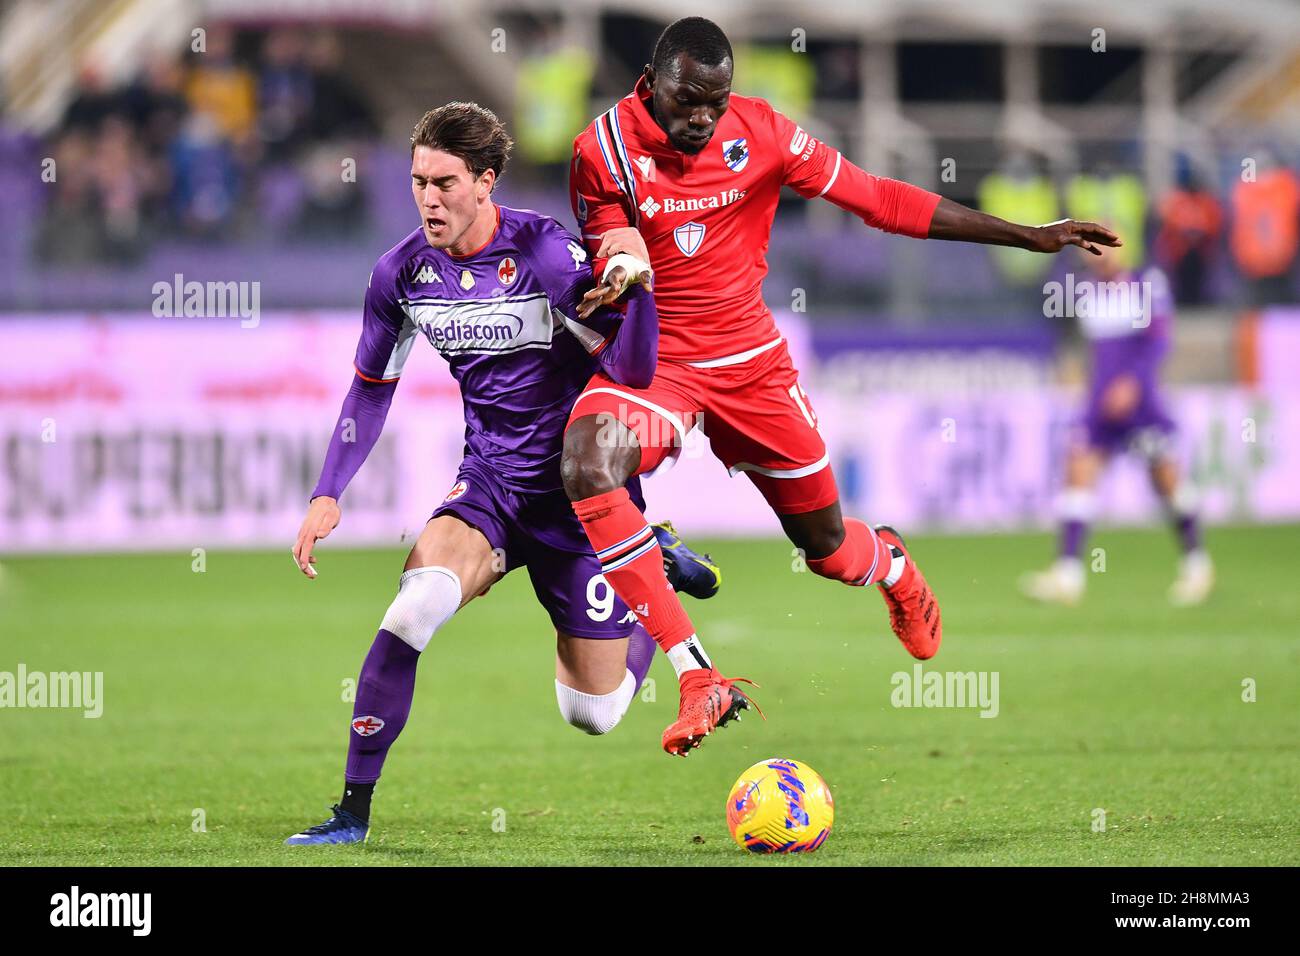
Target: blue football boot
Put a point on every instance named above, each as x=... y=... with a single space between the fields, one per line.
x=343 y=827
x=687 y=571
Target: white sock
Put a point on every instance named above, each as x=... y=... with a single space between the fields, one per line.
x=896 y=566
x=688 y=656
x=596 y=713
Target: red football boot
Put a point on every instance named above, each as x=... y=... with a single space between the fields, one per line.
x=709 y=700
x=913 y=610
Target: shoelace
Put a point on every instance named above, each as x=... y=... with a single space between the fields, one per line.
x=714 y=677
x=336 y=822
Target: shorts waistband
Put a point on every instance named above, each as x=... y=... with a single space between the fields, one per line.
x=739 y=357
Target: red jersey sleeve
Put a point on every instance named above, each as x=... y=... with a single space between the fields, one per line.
x=598 y=203
x=812 y=168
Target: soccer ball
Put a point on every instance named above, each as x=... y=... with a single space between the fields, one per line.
x=780 y=806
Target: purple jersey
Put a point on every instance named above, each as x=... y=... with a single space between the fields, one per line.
x=1128 y=322
x=504 y=319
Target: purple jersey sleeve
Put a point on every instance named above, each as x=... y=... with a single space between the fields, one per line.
x=630 y=353
x=387 y=332
x=625 y=345
x=387 y=335
x=360 y=421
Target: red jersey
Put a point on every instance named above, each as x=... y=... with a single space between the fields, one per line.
x=707 y=218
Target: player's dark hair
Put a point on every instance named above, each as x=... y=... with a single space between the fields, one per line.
x=700 y=39
x=469 y=131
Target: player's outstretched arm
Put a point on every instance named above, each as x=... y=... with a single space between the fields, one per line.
x=361 y=419
x=954 y=221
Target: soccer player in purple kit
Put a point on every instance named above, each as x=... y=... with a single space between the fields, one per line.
x=1127 y=317
x=495 y=290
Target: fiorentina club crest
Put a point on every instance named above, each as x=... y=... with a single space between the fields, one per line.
x=688 y=237
x=365 y=726
x=506 y=271
x=458 y=489
x=735 y=153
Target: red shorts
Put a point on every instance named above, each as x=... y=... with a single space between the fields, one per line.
x=756 y=415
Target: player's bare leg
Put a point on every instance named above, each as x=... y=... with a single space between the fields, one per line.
x=848 y=550
x=450 y=564
x=596 y=679
x=1064 y=582
x=1195 y=578
x=447 y=542
x=600 y=455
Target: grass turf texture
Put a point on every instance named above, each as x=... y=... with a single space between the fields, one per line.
x=223 y=692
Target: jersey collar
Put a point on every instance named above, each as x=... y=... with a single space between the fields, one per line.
x=647 y=127
x=495 y=229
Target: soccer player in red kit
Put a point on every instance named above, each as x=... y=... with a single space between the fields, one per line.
x=685 y=174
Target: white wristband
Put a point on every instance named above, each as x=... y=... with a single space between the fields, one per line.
x=633 y=269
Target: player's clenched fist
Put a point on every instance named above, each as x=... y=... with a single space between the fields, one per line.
x=323 y=516
x=629 y=263
x=624 y=239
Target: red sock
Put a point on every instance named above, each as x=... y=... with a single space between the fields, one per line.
x=633 y=564
x=862 y=558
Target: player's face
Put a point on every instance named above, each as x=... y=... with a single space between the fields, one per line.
x=689 y=100
x=447 y=194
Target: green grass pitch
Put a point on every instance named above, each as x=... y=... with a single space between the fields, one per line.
x=223 y=694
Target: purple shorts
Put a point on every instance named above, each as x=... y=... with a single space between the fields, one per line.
x=539 y=531
x=1149 y=431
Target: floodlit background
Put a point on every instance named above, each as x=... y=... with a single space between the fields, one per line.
x=264 y=144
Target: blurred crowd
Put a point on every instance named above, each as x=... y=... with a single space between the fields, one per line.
x=1252 y=224
x=202 y=145
x=247 y=139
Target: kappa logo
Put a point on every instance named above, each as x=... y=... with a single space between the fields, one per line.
x=688 y=237
x=367 y=726
x=735 y=153
x=427 y=275
x=458 y=489
x=649 y=207
x=578 y=254
x=507 y=271
x=647 y=166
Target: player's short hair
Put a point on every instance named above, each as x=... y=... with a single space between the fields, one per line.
x=700 y=39
x=469 y=131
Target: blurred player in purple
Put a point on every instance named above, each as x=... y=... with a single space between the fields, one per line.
x=495 y=291
x=1126 y=317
